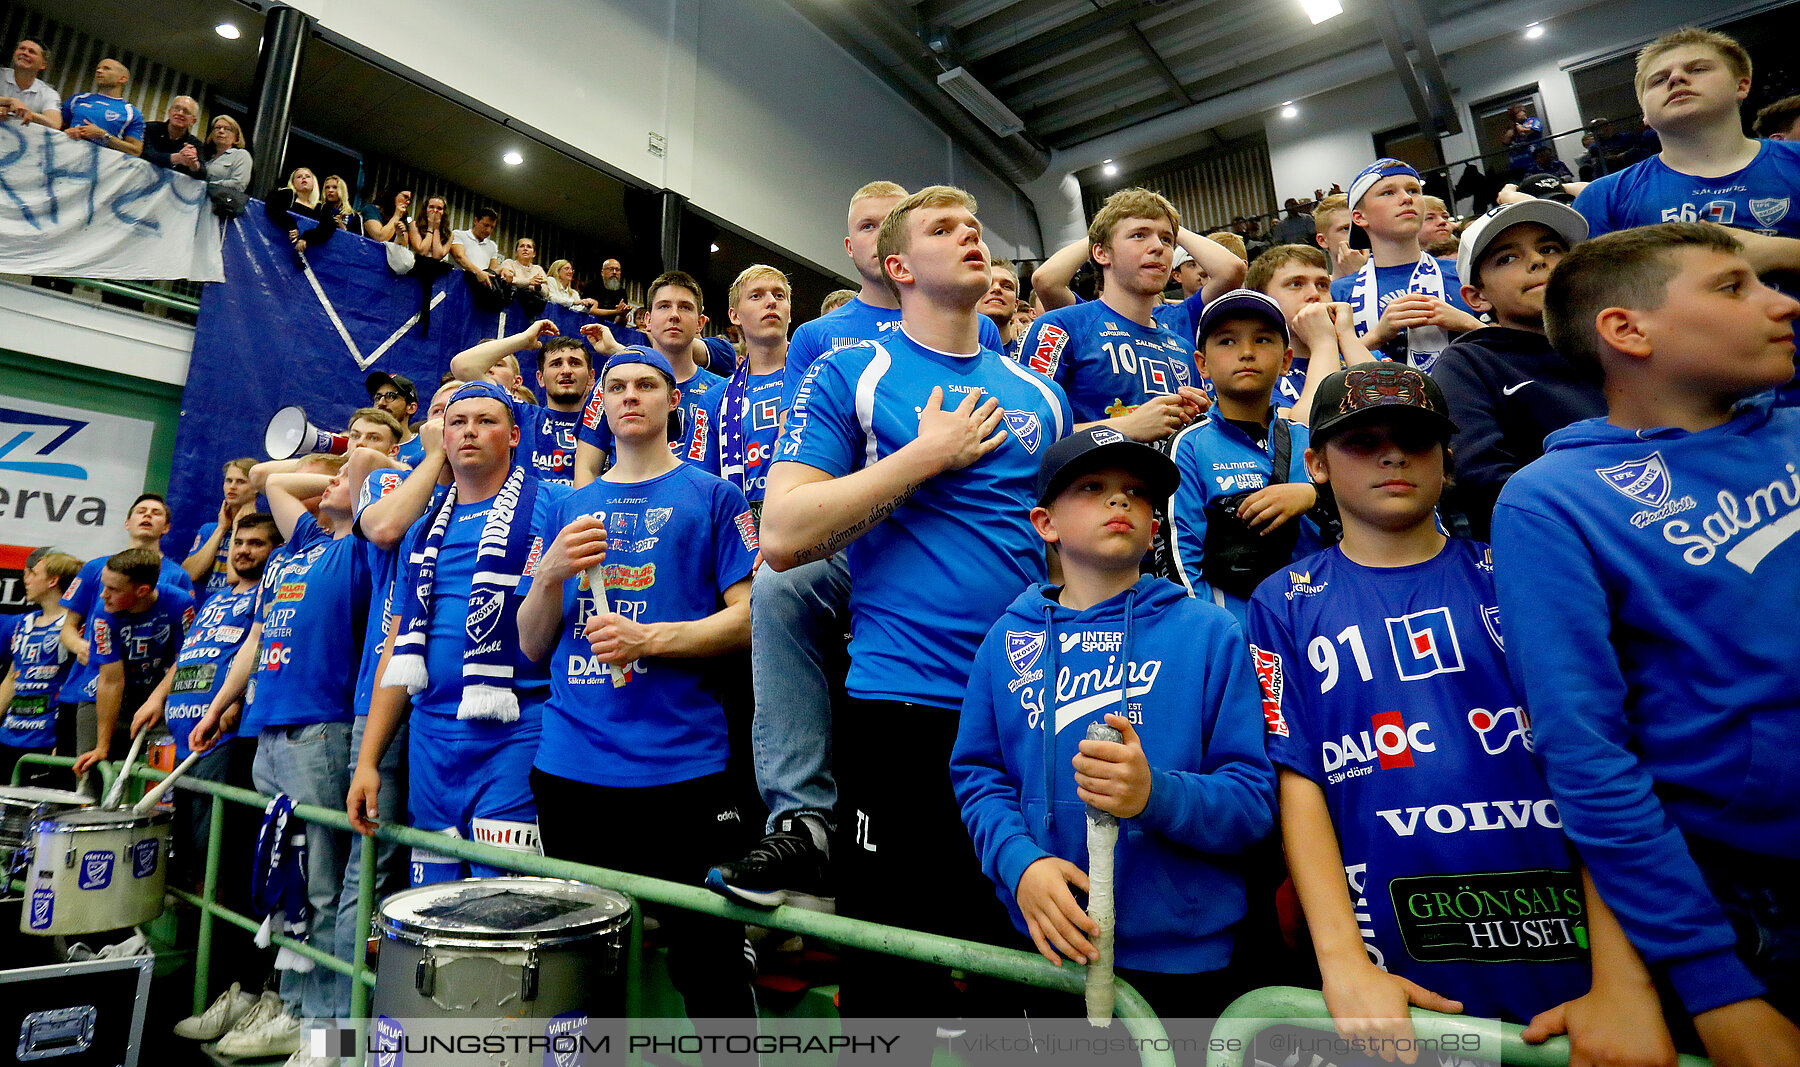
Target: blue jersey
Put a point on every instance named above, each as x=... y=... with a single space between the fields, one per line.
x=35 y=648
x=9 y=625
x=411 y=452
x=1387 y=687
x=759 y=425
x=146 y=642
x=678 y=541
x=313 y=615
x=1183 y=319
x=1644 y=575
x=698 y=442
x=117 y=116
x=1106 y=363
x=1396 y=281
x=83 y=597
x=927 y=582
x=383 y=570
x=218 y=579
x=1216 y=460
x=1760 y=197
x=212 y=641
x=547 y=442
x=447 y=630
x=853 y=322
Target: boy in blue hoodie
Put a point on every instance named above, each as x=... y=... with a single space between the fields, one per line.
x=1190 y=781
x=1646 y=565
x=1424 y=847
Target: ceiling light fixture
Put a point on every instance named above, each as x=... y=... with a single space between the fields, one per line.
x=715 y=246
x=1111 y=169
x=1320 y=10
x=227 y=31
x=512 y=159
x=1533 y=31
x=1289 y=111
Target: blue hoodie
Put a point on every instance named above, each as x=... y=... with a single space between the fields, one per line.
x=1649 y=580
x=1213 y=790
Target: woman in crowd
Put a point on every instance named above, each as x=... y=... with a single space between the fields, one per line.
x=559 y=288
x=389 y=222
x=429 y=233
x=227 y=162
x=301 y=196
x=334 y=195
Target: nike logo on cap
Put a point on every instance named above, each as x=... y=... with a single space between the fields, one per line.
x=1511 y=389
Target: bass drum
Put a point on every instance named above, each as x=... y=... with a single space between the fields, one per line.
x=21 y=808
x=93 y=870
x=527 y=956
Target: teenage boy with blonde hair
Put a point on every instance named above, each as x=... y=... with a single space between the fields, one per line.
x=1331 y=224
x=1406 y=302
x=1644 y=566
x=919 y=453
x=1320 y=332
x=1690 y=83
x=1123 y=358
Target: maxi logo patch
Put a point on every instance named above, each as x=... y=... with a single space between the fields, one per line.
x=1645 y=481
x=96 y=870
x=1048 y=350
x=1532 y=916
x=1268 y=674
x=1769 y=210
x=1026 y=428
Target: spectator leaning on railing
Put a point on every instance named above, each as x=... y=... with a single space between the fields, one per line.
x=171 y=143
x=24 y=94
x=104 y=116
x=227 y=161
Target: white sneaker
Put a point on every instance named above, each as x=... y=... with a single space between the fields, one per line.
x=278 y=1035
x=222 y=1015
x=268 y=1005
x=135 y=945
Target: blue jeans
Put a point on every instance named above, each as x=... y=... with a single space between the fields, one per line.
x=311 y=765
x=792 y=616
x=388 y=865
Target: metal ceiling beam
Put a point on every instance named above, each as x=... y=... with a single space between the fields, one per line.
x=1402 y=27
x=960 y=13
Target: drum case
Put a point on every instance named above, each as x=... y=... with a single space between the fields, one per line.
x=87 y=1014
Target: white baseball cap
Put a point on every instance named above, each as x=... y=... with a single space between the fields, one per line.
x=1562 y=219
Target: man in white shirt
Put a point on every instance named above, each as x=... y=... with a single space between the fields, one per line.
x=475 y=250
x=24 y=94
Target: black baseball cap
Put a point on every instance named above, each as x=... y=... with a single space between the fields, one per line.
x=1237 y=304
x=1097 y=448
x=1379 y=390
x=401 y=383
x=1545 y=187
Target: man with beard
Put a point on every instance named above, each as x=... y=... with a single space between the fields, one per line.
x=547 y=434
x=611 y=297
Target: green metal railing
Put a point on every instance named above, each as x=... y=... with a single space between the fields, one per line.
x=1141 y=1023
x=1498 y=1042
x=148 y=294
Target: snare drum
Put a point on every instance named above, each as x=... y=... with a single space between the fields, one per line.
x=512 y=948
x=94 y=870
x=21 y=807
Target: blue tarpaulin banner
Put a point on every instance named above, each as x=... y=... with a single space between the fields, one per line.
x=276 y=333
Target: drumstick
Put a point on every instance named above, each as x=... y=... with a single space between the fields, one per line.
x=118 y=787
x=156 y=791
x=1102 y=836
x=596 y=576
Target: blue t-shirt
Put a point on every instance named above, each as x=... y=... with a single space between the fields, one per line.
x=218 y=579
x=1391 y=282
x=383 y=568
x=446 y=635
x=1183 y=319
x=9 y=624
x=146 y=642
x=698 y=441
x=1761 y=197
x=313 y=616
x=853 y=322
x=411 y=452
x=1106 y=363
x=35 y=649
x=212 y=641
x=117 y=116
x=83 y=598
x=547 y=441
x=928 y=582
x=1388 y=688
x=678 y=541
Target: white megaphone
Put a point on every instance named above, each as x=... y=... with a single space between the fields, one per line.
x=289 y=435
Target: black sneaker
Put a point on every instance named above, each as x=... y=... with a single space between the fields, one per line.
x=786 y=867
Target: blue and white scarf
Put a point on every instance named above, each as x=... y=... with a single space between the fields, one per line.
x=278 y=881
x=1423 y=343
x=732 y=413
x=491 y=629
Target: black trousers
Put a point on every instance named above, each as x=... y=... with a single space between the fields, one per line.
x=673 y=832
